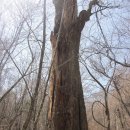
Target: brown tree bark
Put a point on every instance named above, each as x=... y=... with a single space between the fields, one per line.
x=67 y=107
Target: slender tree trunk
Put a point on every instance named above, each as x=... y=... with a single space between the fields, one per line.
x=32 y=108
x=67 y=108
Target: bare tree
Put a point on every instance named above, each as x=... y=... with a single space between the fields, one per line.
x=67 y=108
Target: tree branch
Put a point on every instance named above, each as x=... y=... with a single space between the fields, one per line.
x=93 y=113
x=84 y=15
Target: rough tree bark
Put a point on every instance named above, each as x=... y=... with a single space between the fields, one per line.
x=66 y=107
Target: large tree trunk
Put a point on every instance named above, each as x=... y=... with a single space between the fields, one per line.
x=67 y=108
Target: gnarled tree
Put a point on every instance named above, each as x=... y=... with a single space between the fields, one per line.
x=67 y=108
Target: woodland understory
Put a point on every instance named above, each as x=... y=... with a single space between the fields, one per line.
x=65 y=65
